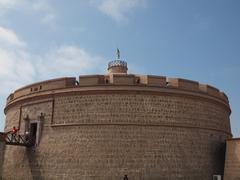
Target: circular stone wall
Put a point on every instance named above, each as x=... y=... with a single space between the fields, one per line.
x=105 y=132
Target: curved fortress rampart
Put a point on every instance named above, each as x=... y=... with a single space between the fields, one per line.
x=105 y=126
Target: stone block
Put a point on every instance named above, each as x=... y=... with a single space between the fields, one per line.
x=209 y=90
x=183 y=84
x=91 y=80
x=122 y=79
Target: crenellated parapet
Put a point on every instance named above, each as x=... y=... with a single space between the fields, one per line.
x=118 y=79
x=183 y=84
x=48 y=85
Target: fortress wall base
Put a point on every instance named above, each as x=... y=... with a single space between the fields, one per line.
x=109 y=152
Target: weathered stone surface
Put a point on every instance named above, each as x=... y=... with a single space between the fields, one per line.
x=104 y=136
x=232 y=162
x=2 y=148
x=140 y=109
x=109 y=152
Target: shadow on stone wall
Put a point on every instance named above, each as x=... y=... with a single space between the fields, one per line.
x=2 y=150
x=34 y=165
x=220 y=157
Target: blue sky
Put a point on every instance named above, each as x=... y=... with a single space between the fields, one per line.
x=198 y=40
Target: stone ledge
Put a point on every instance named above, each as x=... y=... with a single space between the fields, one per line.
x=139 y=124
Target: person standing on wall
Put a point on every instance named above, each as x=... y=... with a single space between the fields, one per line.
x=14 y=133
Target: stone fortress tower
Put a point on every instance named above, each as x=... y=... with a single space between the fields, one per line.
x=102 y=127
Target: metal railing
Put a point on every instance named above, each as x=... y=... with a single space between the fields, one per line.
x=16 y=139
x=117 y=63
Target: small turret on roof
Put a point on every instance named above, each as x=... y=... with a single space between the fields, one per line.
x=117 y=66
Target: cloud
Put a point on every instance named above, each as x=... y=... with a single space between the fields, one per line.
x=41 y=7
x=67 y=60
x=18 y=66
x=6 y=4
x=47 y=11
x=117 y=9
x=49 y=19
x=15 y=70
x=15 y=67
x=9 y=37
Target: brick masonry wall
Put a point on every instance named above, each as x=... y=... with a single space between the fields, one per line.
x=232 y=162
x=104 y=136
x=2 y=147
x=140 y=109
